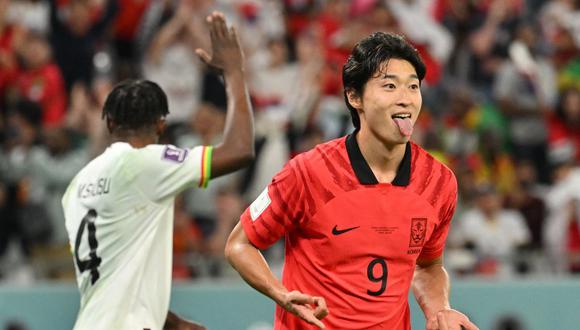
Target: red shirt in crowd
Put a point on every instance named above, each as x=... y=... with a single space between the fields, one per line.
x=8 y=66
x=562 y=135
x=45 y=86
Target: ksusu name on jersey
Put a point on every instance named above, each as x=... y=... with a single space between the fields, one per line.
x=101 y=186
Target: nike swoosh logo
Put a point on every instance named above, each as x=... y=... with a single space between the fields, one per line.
x=336 y=231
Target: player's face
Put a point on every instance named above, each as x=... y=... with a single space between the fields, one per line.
x=390 y=102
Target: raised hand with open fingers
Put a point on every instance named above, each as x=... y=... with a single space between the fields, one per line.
x=226 y=53
x=450 y=319
x=308 y=308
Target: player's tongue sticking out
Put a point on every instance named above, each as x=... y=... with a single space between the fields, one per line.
x=404 y=124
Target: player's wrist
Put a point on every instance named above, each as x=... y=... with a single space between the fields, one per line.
x=432 y=314
x=234 y=71
x=279 y=296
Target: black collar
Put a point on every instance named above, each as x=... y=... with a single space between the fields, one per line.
x=363 y=171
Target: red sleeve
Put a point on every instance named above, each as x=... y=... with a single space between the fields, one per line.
x=433 y=249
x=277 y=210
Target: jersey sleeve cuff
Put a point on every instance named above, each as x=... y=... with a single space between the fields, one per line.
x=206 y=154
x=250 y=230
x=431 y=255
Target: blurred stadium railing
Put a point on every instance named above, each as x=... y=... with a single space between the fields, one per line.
x=521 y=304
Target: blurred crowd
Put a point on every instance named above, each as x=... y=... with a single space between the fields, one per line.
x=501 y=108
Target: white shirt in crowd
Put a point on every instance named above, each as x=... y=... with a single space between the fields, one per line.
x=562 y=196
x=496 y=238
x=179 y=75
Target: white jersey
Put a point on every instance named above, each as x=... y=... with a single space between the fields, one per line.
x=119 y=219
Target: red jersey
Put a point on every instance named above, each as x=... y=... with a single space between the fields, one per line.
x=350 y=239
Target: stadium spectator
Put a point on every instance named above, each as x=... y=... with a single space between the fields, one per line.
x=495 y=233
x=33 y=15
x=77 y=28
x=127 y=27
x=525 y=89
x=431 y=38
x=564 y=126
x=562 y=235
x=84 y=116
x=10 y=39
x=495 y=24
x=26 y=222
x=171 y=61
x=40 y=80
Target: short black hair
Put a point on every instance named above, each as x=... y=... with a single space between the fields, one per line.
x=367 y=57
x=135 y=104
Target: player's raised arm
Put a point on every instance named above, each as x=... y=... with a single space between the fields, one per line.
x=237 y=147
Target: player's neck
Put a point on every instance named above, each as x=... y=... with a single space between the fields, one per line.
x=383 y=159
x=136 y=141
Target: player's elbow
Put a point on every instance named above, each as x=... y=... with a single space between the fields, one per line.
x=235 y=245
x=244 y=157
x=247 y=157
x=231 y=251
x=245 y=151
x=239 y=155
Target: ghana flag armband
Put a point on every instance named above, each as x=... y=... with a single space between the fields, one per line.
x=205 y=166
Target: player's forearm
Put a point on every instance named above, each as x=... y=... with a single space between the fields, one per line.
x=237 y=148
x=172 y=321
x=431 y=289
x=251 y=265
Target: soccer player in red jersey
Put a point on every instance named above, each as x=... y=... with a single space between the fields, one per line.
x=365 y=217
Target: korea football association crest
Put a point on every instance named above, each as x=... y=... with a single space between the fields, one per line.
x=418 y=232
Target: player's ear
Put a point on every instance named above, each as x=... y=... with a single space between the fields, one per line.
x=354 y=98
x=160 y=126
x=111 y=125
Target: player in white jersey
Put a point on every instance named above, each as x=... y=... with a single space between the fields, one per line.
x=119 y=208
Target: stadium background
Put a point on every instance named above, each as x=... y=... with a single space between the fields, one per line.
x=501 y=108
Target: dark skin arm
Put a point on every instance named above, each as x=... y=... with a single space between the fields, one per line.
x=237 y=148
x=174 y=322
x=252 y=266
x=431 y=288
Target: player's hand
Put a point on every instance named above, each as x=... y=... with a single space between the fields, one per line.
x=450 y=319
x=308 y=308
x=226 y=52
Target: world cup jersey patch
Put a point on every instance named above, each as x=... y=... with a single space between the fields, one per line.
x=174 y=154
x=260 y=204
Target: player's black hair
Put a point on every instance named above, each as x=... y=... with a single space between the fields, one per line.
x=366 y=59
x=135 y=104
